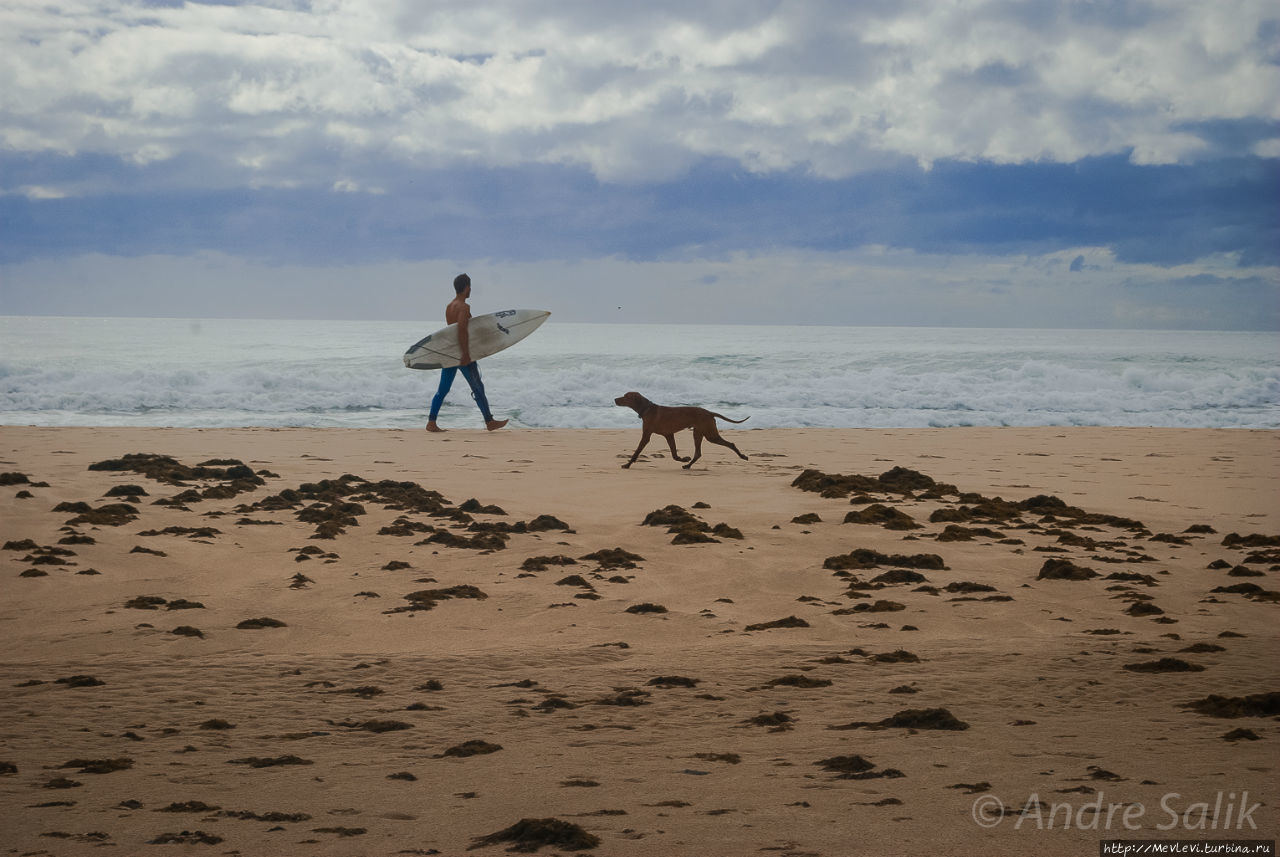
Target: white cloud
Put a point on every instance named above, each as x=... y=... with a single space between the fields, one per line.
x=1267 y=148
x=633 y=91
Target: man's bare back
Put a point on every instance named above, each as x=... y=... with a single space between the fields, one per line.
x=459 y=312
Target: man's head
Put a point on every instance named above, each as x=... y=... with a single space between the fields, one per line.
x=461 y=283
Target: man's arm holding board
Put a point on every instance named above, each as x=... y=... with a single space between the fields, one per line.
x=464 y=334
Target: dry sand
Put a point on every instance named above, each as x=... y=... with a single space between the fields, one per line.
x=370 y=723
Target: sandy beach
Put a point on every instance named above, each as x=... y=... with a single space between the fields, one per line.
x=365 y=642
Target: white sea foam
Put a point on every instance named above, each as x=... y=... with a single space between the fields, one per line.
x=233 y=373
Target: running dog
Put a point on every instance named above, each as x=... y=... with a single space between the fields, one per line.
x=660 y=420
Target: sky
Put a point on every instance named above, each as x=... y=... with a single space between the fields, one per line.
x=977 y=163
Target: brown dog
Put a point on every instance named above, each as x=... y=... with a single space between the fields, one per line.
x=656 y=419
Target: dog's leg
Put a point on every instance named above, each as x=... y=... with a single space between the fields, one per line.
x=698 y=448
x=715 y=437
x=644 y=439
x=671 y=442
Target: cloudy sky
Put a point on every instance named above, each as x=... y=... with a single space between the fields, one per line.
x=1084 y=163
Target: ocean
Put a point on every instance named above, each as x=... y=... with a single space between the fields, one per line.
x=224 y=372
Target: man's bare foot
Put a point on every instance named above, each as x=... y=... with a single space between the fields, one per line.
x=494 y=425
x=431 y=426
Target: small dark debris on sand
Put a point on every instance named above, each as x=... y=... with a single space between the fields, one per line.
x=1097 y=773
x=541 y=563
x=799 y=681
x=957 y=533
x=62 y=783
x=262 y=622
x=670 y=516
x=856 y=768
x=475 y=507
x=1242 y=735
x=1254 y=540
x=15 y=478
x=778 y=721
x=1203 y=648
x=1144 y=608
x=342 y=831
x=145 y=602
x=972 y=788
x=1253 y=705
x=530 y=834
x=554 y=703
x=611 y=558
x=885 y=516
x=892 y=577
x=913 y=718
x=879 y=606
x=95 y=836
x=366 y=691
x=99 y=766
x=273 y=817
x=20 y=545
x=1164 y=665
x=897 y=656
x=1064 y=569
x=80 y=681
x=375 y=726
x=865 y=558
x=216 y=723
x=625 y=698
x=646 y=608
x=427 y=599
x=468 y=749
x=186 y=837
x=788 y=622
x=190 y=532
x=106 y=515
x=673 y=681
x=189 y=806
x=270 y=761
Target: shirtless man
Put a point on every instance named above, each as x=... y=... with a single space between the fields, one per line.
x=459 y=313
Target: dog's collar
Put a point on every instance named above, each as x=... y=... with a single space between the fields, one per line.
x=649 y=406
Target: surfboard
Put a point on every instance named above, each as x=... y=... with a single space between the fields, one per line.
x=486 y=334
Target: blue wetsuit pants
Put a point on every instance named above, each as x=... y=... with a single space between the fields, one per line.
x=472 y=373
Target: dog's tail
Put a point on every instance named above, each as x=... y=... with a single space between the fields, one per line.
x=726 y=419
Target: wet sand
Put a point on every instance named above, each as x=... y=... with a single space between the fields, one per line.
x=359 y=642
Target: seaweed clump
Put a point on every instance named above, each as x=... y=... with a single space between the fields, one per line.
x=1253 y=705
x=529 y=834
x=899 y=480
x=914 y=718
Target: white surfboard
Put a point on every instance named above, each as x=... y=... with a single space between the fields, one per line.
x=486 y=335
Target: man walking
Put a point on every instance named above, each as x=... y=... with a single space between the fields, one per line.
x=459 y=313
